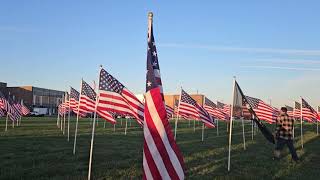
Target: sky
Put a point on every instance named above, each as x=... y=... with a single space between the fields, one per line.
x=271 y=47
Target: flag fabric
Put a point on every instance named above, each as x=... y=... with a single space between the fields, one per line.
x=25 y=111
x=87 y=98
x=225 y=108
x=213 y=110
x=2 y=113
x=74 y=102
x=297 y=110
x=264 y=111
x=290 y=110
x=162 y=158
x=241 y=107
x=170 y=111
x=115 y=97
x=190 y=108
x=308 y=113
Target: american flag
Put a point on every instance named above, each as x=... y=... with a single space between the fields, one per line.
x=244 y=108
x=12 y=110
x=162 y=158
x=1 y=112
x=115 y=97
x=308 y=113
x=297 y=110
x=264 y=111
x=190 y=108
x=225 y=108
x=290 y=110
x=212 y=109
x=87 y=98
x=170 y=111
x=74 y=102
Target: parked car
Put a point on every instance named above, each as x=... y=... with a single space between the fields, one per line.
x=35 y=114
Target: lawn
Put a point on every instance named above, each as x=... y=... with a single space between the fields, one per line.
x=38 y=150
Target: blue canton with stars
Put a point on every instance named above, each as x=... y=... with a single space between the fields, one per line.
x=153 y=68
x=88 y=91
x=108 y=83
x=74 y=94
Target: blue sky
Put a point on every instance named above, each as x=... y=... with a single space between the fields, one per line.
x=272 y=47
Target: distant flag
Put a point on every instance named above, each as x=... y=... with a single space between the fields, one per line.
x=254 y=106
x=74 y=102
x=2 y=113
x=290 y=110
x=115 y=97
x=170 y=111
x=263 y=111
x=13 y=111
x=25 y=111
x=213 y=110
x=162 y=158
x=308 y=113
x=189 y=107
x=225 y=108
x=297 y=110
x=87 y=98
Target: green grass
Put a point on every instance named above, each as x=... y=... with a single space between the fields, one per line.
x=38 y=150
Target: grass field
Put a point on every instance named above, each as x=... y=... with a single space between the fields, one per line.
x=38 y=150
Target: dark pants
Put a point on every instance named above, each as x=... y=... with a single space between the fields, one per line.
x=280 y=144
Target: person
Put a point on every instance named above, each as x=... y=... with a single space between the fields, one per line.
x=284 y=131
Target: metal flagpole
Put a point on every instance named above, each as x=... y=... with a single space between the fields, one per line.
x=252 y=129
x=64 y=116
x=202 y=131
x=294 y=109
x=76 y=130
x=217 y=127
x=21 y=111
x=301 y=118
x=69 y=118
x=230 y=126
x=104 y=124
x=317 y=121
x=7 y=121
x=177 y=118
x=125 y=129
x=243 y=135
x=92 y=137
x=114 y=127
x=121 y=121
x=194 y=125
x=61 y=120
x=189 y=123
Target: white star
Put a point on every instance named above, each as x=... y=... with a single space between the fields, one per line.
x=149 y=83
x=148 y=48
x=154 y=64
x=153 y=43
x=154 y=53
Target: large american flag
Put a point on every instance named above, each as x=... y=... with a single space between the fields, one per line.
x=225 y=108
x=297 y=110
x=290 y=110
x=264 y=111
x=190 y=108
x=308 y=113
x=115 y=97
x=212 y=109
x=162 y=158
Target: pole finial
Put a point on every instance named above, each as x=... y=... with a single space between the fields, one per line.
x=100 y=66
x=150 y=15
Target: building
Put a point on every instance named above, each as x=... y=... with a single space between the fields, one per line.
x=173 y=100
x=35 y=97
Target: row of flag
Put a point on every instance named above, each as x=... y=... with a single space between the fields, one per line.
x=162 y=158
x=14 y=110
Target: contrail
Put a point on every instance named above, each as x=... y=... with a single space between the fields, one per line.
x=283 y=68
x=307 y=52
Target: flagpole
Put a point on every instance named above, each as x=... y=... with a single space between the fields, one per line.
x=194 y=125
x=294 y=109
x=243 y=135
x=64 y=116
x=61 y=120
x=7 y=121
x=301 y=118
x=69 y=119
x=177 y=117
x=202 y=131
x=252 y=126
x=217 y=127
x=317 y=121
x=230 y=126
x=76 y=130
x=92 y=137
x=125 y=129
x=58 y=118
x=104 y=124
